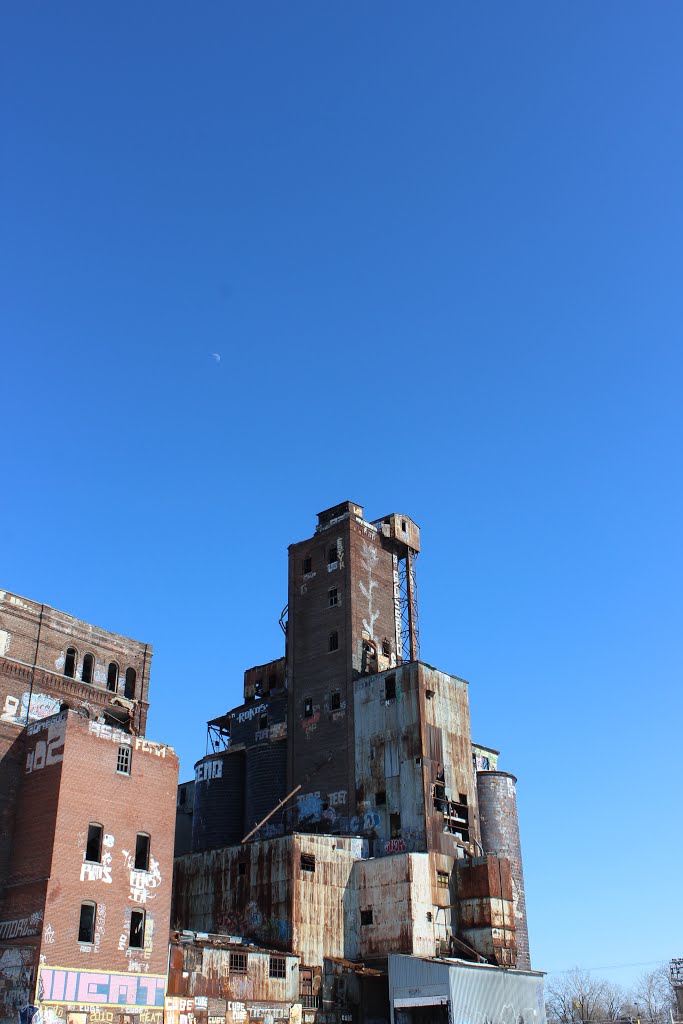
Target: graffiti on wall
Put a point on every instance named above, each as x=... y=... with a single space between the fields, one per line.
x=50 y=750
x=60 y=1013
x=208 y=770
x=28 y=708
x=61 y=985
x=397 y=603
x=368 y=560
x=17 y=978
x=142 y=882
x=20 y=927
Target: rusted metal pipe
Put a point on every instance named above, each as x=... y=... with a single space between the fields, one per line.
x=271 y=813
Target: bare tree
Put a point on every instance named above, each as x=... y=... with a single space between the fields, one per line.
x=653 y=997
x=575 y=997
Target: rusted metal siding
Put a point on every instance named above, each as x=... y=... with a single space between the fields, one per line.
x=485 y=916
x=202 y=969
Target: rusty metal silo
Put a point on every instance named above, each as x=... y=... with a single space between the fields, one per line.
x=497 y=797
x=218 y=818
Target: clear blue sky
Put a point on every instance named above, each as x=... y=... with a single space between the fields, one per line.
x=438 y=249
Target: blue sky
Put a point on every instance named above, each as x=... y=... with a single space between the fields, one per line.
x=438 y=249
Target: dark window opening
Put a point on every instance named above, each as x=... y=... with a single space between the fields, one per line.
x=123 y=760
x=86 y=925
x=335 y=701
x=258 y=688
x=334 y=641
x=308 y=565
x=307 y=862
x=418 y=762
x=70 y=664
x=332 y=597
x=386 y=648
x=390 y=688
x=142 y=852
x=276 y=967
x=263 y=720
x=238 y=963
x=462 y=798
x=395 y=825
x=129 y=690
x=332 y=555
x=404 y=525
x=112 y=676
x=308 y=707
x=366 y=917
x=93 y=847
x=380 y=798
x=429 y=915
x=429 y=694
x=88 y=668
x=136 y=939
x=242 y=867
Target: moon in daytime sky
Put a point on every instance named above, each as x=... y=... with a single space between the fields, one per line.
x=216 y=356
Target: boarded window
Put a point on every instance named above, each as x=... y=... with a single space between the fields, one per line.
x=142 y=852
x=70 y=662
x=112 y=676
x=307 y=862
x=238 y=963
x=136 y=937
x=366 y=917
x=129 y=690
x=276 y=967
x=88 y=668
x=86 y=925
x=123 y=760
x=93 y=847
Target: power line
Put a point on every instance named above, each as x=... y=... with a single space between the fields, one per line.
x=609 y=967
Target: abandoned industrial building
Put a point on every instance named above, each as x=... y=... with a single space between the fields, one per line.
x=344 y=853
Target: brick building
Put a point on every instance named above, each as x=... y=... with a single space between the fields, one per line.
x=87 y=806
x=343 y=814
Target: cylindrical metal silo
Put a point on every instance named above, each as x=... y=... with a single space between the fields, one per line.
x=497 y=797
x=266 y=786
x=218 y=817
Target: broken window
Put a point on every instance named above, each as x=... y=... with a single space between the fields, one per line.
x=335 y=700
x=93 y=847
x=390 y=688
x=386 y=648
x=308 y=707
x=129 y=690
x=70 y=662
x=366 y=917
x=238 y=963
x=86 y=925
x=112 y=676
x=136 y=937
x=334 y=641
x=258 y=688
x=332 y=597
x=142 y=852
x=307 y=566
x=442 y=879
x=380 y=798
x=276 y=967
x=88 y=668
x=429 y=694
x=332 y=555
x=123 y=760
x=307 y=862
x=395 y=825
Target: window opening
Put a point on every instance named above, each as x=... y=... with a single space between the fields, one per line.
x=258 y=688
x=404 y=526
x=129 y=690
x=429 y=915
x=263 y=720
x=142 y=852
x=334 y=641
x=88 y=668
x=335 y=701
x=332 y=597
x=395 y=825
x=429 y=694
x=276 y=967
x=366 y=917
x=112 y=676
x=308 y=707
x=442 y=879
x=86 y=925
x=380 y=798
x=136 y=938
x=390 y=688
x=238 y=963
x=93 y=847
x=386 y=648
x=242 y=867
x=307 y=566
x=332 y=555
x=123 y=760
x=307 y=862
x=70 y=662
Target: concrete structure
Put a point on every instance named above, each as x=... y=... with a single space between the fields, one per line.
x=350 y=770
x=87 y=805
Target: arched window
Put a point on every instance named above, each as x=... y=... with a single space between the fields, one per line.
x=88 y=668
x=70 y=662
x=112 y=676
x=129 y=691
